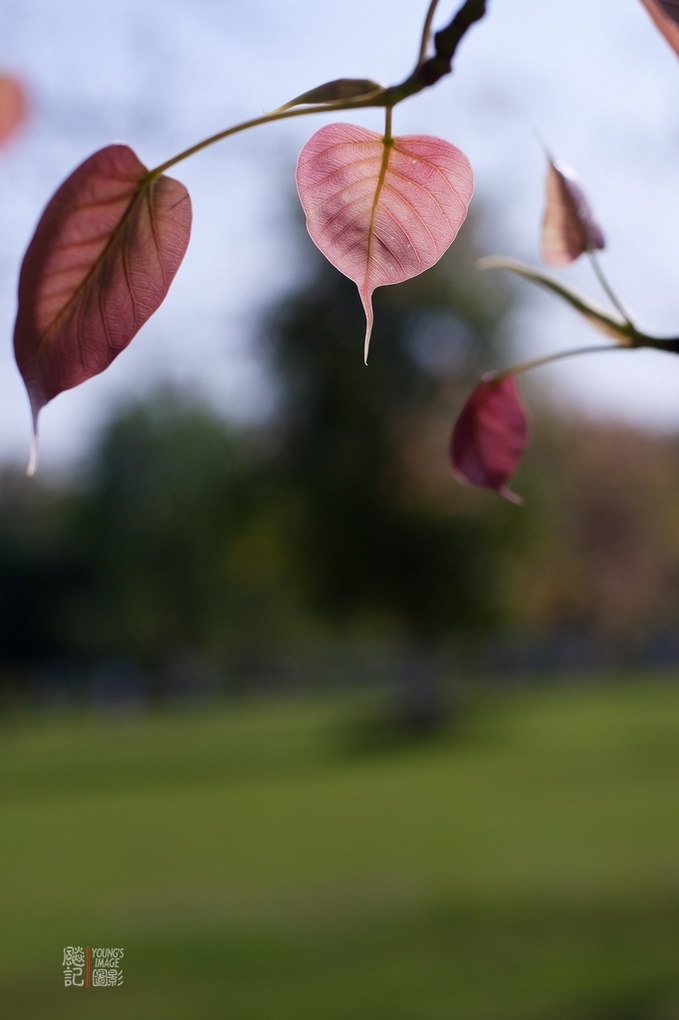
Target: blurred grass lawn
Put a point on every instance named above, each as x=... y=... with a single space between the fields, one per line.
x=256 y=865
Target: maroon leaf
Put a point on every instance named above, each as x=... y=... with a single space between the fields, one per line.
x=380 y=211
x=490 y=436
x=665 y=14
x=100 y=263
x=13 y=106
x=568 y=227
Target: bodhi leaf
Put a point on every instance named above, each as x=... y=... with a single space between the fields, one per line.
x=12 y=107
x=490 y=436
x=568 y=227
x=101 y=261
x=382 y=211
x=665 y=14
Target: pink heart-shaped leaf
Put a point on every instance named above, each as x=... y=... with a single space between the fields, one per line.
x=380 y=211
x=490 y=436
x=101 y=261
x=13 y=106
x=568 y=227
x=665 y=14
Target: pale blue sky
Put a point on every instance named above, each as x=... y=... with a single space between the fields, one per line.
x=591 y=76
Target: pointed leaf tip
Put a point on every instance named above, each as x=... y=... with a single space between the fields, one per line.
x=490 y=436
x=568 y=227
x=101 y=261
x=382 y=212
x=33 y=458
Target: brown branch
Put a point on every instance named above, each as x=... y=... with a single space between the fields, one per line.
x=441 y=63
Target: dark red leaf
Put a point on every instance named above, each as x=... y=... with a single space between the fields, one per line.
x=100 y=263
x=490 y=436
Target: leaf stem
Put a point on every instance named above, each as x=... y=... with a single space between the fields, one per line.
x=446 y=42
x=426 y=33
x=623 y=330
x=526 y=366
x=267 y=118
x=427 y=73
x=388 y=137
x=608 y=290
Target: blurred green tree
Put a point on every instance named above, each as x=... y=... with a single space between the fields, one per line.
x=37 y=570
x=184 y=535
x=181 y=534
x=380 y=532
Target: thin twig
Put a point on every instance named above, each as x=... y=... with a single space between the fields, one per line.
x=608 y=290
x=426 y=32
x=425 y=74
x=527 y=366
